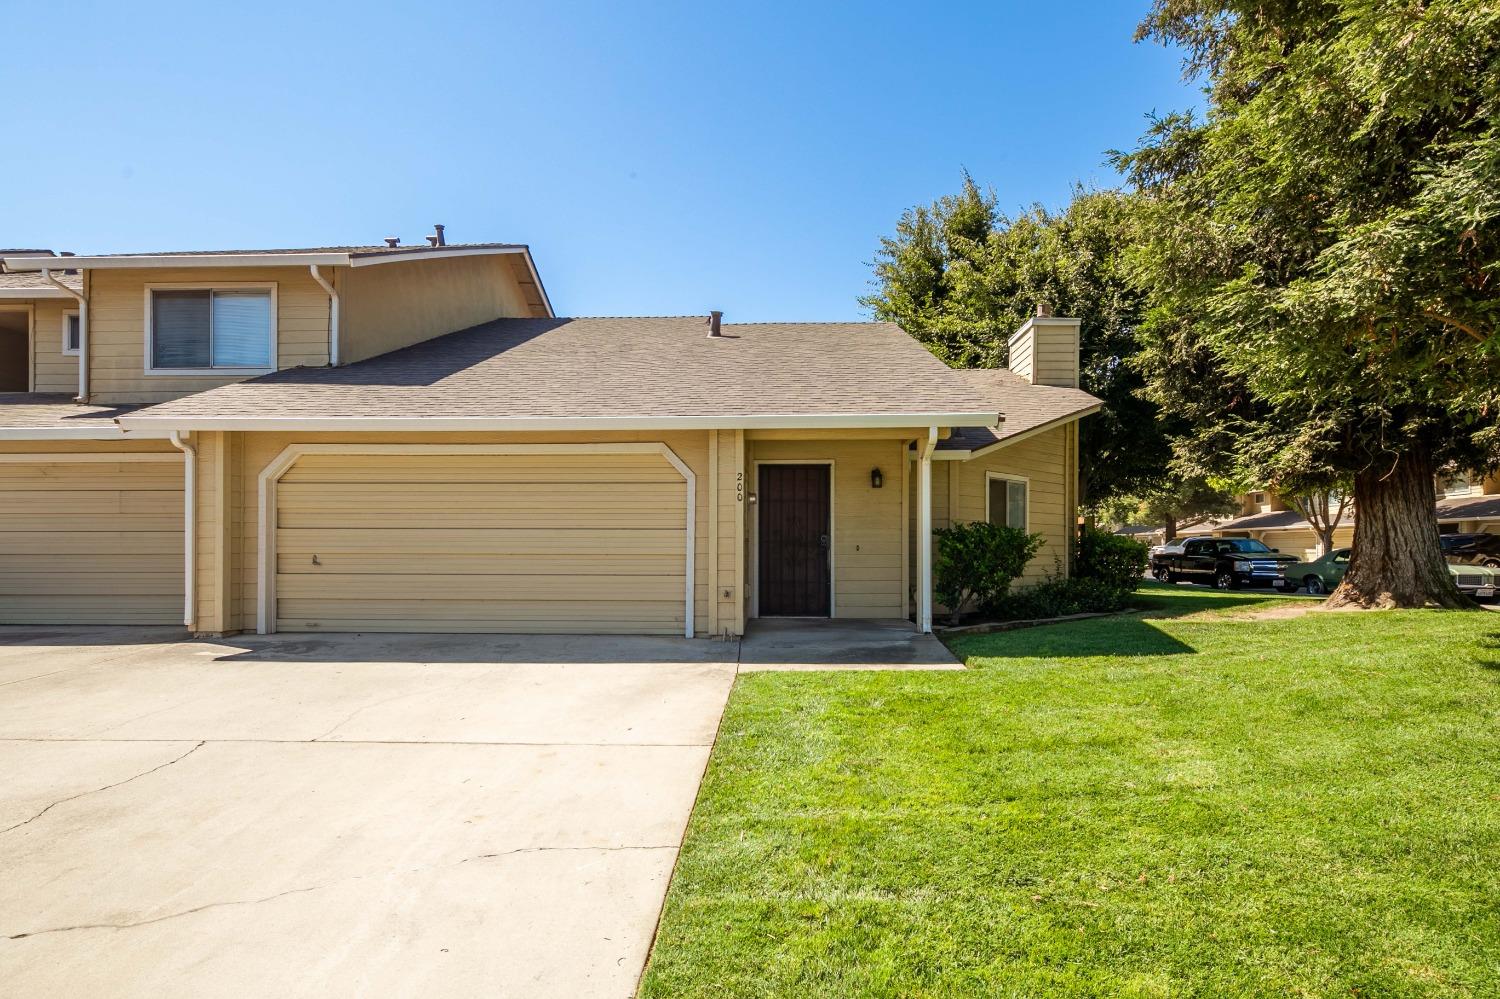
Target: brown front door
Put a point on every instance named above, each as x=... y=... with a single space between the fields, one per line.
x=794 y=540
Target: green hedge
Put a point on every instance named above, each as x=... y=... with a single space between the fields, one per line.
x=1107 y=569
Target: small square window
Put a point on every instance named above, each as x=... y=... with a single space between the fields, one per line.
x=1007 y=502
x=72 y=335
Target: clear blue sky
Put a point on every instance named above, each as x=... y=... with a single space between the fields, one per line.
x=660 y=159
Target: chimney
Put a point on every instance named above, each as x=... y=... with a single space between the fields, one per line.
x=437 y=238
x=393 y=241
x=1044 y=351
x=714 y=320
x=432 y=241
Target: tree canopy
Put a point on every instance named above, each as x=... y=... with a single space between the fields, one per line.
x=1321 y=251
x=961 y=276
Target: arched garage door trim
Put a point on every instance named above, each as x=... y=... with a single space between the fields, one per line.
x=282 y=463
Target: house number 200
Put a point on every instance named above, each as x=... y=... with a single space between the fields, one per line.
x=739 y=487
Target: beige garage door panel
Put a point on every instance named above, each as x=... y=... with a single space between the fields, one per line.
x=481 y=543
x=91 y=542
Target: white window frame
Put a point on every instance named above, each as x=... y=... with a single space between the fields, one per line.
x=1007 y=477
x=69 y=351
x=212 y=372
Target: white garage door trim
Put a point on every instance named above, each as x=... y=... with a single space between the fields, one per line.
x=282 y=463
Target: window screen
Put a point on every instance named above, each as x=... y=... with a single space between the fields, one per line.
x=1008 y=503
x=210 y=329
x=241 y=329
x=71 y=338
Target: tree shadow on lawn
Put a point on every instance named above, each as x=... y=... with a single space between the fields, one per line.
x=1124 y=635
x=1490 y=643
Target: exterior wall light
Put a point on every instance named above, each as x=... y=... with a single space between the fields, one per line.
x=876 y=479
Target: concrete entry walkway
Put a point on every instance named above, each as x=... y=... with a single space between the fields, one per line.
x=821 y=644
x=343 y=815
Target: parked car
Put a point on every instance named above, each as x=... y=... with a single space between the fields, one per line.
x=1472 y=549
x=1478 y=581
x=1173 y=547
x=1321 y=575
x=1227 y=563
x=1324 y=575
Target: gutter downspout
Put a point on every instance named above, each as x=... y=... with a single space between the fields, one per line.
x=83 y=334
x=189 y=516
x=333 y=315
x=924 y=531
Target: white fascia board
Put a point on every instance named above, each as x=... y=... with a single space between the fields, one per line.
x=356 y=424
x=25 y=293
x=185 y=261
x=418 y=253
x=956 y=455
x=536 y=277
x=111 y=433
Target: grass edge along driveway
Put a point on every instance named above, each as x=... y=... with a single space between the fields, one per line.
x=1219 y=796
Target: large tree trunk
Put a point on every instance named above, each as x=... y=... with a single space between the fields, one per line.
x=1397 y=561
x=1169 y=530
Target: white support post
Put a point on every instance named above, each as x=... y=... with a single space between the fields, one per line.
x=924 y=531
x=180 y=441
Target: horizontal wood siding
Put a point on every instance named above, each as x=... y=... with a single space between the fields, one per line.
x=94 y=542
x=376 y=546
x=587 y=542
x=117 y=328
x=868 y=534
x=393 y=305
x=1043 y=460
x=958 y=494
x=52 y=370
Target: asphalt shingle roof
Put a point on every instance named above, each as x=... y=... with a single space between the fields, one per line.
x=1469 y=508
x=46 y=411
x=1024 y=405
x=615 y=367
x=35 y=282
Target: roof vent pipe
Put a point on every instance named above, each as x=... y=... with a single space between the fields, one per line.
x=393 y=241
x=437 y=230
x=714 y=320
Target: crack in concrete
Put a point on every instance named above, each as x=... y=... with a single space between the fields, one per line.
x=106 y=787
x=320 y=887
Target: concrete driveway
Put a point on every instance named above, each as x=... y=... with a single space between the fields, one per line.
x=343 y=816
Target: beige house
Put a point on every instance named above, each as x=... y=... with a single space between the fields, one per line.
x=407 y=439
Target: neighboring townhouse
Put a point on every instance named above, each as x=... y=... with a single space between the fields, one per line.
x=1466 y=504
x=1267 y=517
x=407 y=439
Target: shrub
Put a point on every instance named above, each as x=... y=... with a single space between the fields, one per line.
x=974 y=563
x=1059 y=597
x=1116 y=562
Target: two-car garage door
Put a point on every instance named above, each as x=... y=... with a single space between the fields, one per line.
x=91 y=539
x=593 y=541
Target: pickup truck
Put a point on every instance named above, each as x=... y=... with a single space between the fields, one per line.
x=1227 y=563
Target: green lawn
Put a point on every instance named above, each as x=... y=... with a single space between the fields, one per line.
x=1201 y=799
